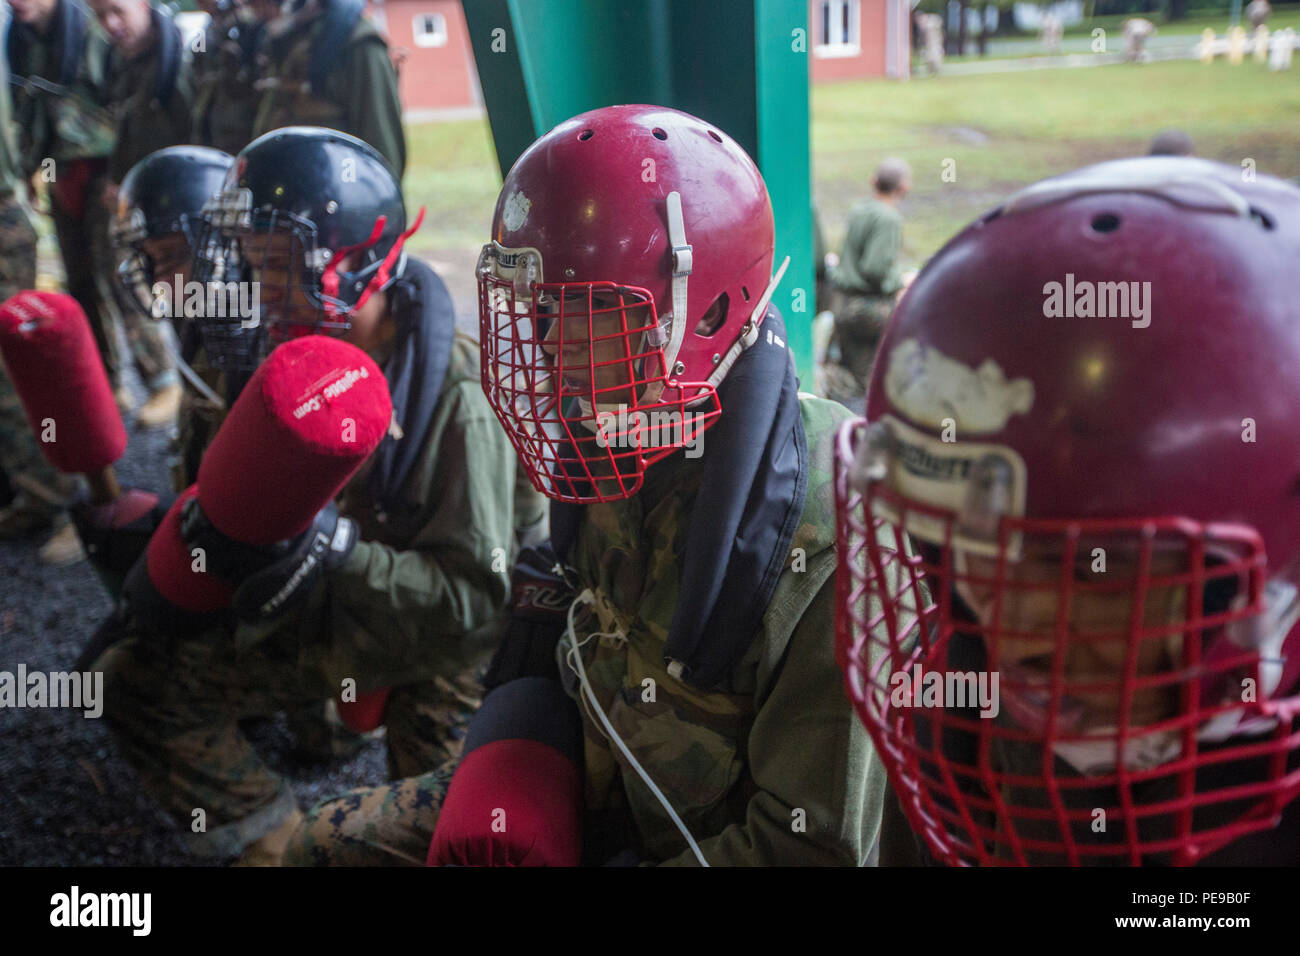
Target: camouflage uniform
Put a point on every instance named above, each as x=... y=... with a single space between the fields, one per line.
x=40 y=489
x=72 y=126
x=865 y=282
x=360 y=96
x=736 y=763
x=416 y=600
x=225 y=102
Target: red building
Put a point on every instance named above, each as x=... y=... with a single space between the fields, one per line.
x=847 y=39
x=851 y=39
x=436 y=71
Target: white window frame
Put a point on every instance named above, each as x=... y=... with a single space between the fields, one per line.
x=437 y=36
x=852 y=45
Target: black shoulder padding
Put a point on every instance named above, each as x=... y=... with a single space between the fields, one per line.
x=169 y=55
x=340 y=19
x=74 y=22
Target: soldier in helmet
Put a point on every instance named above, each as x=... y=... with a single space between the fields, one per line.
x=323 y=63
x=631 y=354
x=316 y=218
x=1094 y=515
x=154 y=233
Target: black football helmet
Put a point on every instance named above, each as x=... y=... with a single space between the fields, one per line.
x=162 y=195
x=316 y=219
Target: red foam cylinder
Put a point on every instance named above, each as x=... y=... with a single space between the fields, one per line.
x=307 y=419
x=55 y=366
x=366 y=712
x=510 y=803
x=302 y=426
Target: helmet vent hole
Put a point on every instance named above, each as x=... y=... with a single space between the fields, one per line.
x=1263 y=218
x=586 y=134
x=715 y=136
x=658 y=133
x=744 y=290
x=1105 y=222
x=714 y=319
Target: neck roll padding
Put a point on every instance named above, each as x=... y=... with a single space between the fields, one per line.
x=51 y=357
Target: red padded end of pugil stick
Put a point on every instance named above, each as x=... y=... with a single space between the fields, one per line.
x=302 y=426
x=172 y=566
x=51 y=357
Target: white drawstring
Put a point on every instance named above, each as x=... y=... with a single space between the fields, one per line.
x=573 y=657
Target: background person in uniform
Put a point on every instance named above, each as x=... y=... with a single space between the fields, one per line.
x=867 y=279
x=67 y=134
x=41 y=493
x=225 y=102
x=433 y=511
x=151 y=95
x=322 y=63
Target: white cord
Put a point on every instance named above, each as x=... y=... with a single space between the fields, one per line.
x=574 y=658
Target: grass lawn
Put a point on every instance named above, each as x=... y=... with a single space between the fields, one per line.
x=1003 y=130
x=1009 y=129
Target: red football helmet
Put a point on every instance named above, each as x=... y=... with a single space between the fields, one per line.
x=1069 y=527
x=630 y=263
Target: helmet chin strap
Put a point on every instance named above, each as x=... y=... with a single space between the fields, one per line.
x=382 y=270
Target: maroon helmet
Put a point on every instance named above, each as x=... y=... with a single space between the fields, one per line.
x=630 y=263
x=1070 y=523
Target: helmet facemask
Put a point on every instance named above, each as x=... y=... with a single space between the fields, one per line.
x=137 y=242
x=578 y=375
x=1131 y=721
x=301 y=287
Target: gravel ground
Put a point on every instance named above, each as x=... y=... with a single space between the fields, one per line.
x=66 y=797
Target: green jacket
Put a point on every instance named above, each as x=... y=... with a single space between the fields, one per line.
x=437 y=568
x=360 y=96
x=145 y=125
x=56 y=122
x=869 y=262
x=772 y=769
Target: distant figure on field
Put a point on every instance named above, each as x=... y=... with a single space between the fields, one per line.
x=866 y=281
x=1171 y=142
x=1136 y=32
x=931 y=27
x=1257 y=13
x=1053 y=31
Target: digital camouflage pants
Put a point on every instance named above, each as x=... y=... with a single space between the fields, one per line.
x=41 y=487
x=390 y=825
x=174 y=708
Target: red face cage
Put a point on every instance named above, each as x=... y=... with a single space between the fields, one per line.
x=576 y=373
x=1129 y=719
